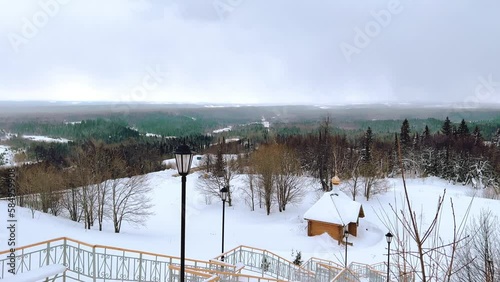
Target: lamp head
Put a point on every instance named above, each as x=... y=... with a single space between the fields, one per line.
x=388 y=237
x=183 y=158
x=346 y=233
x=223 y=193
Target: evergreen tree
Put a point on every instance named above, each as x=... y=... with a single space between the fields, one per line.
x=367 y=153
x=405 y=135
x=463 y=130
x=393 y=159
x=427 y=133
x=416 y=141
x=478 y=138
x=426 y=136
x=496 y=138
x=220 y=165
x=447 y=129
x=297 y=257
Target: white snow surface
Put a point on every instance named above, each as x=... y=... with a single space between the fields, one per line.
x=334 y=207
x=278 y=232
x=196 y=162
x=40 y=138
x=38 y=274
x=225 y=129
x=7 y=155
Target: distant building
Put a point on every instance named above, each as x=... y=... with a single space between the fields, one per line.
x=331 y=212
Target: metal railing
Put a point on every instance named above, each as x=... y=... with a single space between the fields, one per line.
x=85 y=262
x=267 y=264
x=324 y=270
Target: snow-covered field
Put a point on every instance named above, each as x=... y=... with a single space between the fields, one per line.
x=40 y=138
x=6 y=155
x=279 y=232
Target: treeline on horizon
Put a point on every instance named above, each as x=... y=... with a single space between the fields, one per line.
x=456 y=152
x=117 y=128
x=428 y=147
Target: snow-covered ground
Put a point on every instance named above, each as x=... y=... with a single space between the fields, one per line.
x=6 y=155
x=225 y=129
x=40 y=138
x=279 y=232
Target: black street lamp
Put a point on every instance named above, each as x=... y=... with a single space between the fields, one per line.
x=223 y=195
x=388 y=237
x=346 y=235
x=183 y=158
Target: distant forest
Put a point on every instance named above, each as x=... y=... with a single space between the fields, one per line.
x=363 y=153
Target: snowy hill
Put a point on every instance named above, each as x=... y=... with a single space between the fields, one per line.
x=279 y=232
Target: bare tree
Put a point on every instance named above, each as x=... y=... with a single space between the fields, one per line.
x=111 y=167
x=71 y=201
x=39 y=185
x=479 y=258
x=374 y=184
x=264 y=162
x=353 y=183
x=420 y=250
x=130 y=201
x=250 y=191
x=289 y=187
x=95 y=165
x=86 y=176
x=223 y=173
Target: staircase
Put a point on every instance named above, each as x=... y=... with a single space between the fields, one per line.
x=85 y=262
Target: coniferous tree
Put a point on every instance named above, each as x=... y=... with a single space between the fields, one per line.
x=496 y=138
x=367 y=153
x=463 y=130
x=426 y=136
x=454 y=131
x=447 y=129
x=427 y=133
x=478 y=138
x=405 y=135
x=393 y=160
x=324 y=165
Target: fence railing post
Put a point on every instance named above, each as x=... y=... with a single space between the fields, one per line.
x=278 y=269
x=140 y=267
x=65 y=253
x=263 y=262
x=65 y=258
x=170 y=270
x=47 y=256
x=94 y=262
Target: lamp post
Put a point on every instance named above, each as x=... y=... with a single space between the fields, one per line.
x=223 y=195
x=346 y=235
x=388 y=238
x=183 y=158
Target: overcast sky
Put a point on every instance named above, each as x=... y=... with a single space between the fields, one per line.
x=251 y=51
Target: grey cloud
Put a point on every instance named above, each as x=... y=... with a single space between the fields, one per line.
x=270 y=51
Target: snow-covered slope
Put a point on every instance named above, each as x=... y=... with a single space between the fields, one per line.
x=6 y=155
x=278 y=232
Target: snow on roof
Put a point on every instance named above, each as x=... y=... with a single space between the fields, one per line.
x=334 y=207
